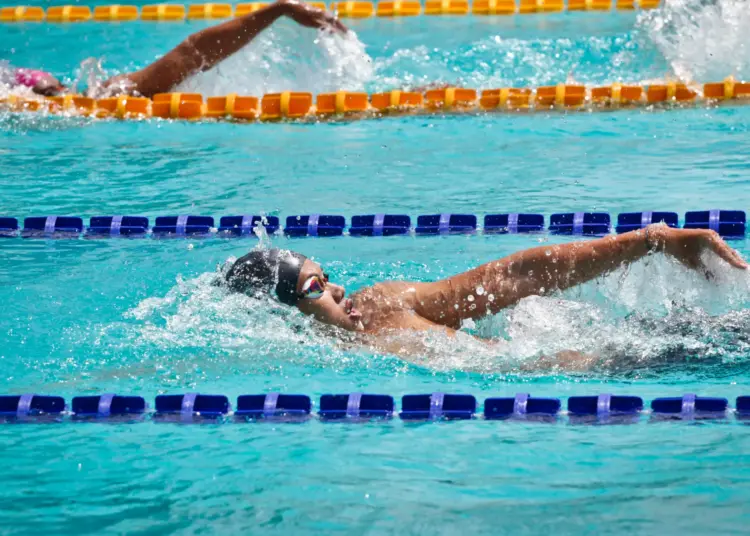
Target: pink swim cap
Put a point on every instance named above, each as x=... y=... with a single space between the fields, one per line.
x=29 y=77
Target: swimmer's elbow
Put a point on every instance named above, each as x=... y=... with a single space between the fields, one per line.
x=190 y=57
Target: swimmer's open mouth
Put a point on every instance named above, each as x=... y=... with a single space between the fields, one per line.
x=350 y=310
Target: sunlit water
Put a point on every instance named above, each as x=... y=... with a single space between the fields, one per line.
x=142 y=317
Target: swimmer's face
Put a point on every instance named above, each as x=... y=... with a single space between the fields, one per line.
x=331 y=307
x=49 y=86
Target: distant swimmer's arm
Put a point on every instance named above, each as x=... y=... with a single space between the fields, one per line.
x=206 y=48
x=541 y=270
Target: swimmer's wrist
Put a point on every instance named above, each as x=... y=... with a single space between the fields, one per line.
x=652 y=242
x=286 y=7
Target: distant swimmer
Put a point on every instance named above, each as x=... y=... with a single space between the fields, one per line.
x=485 y=290
x=199 y=52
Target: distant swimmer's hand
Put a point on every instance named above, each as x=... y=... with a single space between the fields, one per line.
x=310 y=17
x=688 y=245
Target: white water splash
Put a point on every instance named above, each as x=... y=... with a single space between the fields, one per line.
x=702 y=41
x=286 y=58
x=8 y=84
x=655 y=312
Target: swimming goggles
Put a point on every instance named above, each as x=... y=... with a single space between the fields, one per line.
x=314 y=287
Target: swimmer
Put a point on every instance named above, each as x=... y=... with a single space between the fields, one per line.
x=444 y=305
x=199 y=52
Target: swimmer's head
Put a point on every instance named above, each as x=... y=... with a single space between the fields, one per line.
x=296 y=281
x=40 y=82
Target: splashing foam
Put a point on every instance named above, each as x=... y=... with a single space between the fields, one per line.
x=503 y=61
x=648 y=318
x=702 y=41
x=652 y=315
x=286 y=58
x=23 y=123
x=200 y=324
x=8 y=81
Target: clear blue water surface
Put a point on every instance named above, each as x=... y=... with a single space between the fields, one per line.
x=141 y=316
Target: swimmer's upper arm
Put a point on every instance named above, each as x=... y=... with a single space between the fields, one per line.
x=473 y=294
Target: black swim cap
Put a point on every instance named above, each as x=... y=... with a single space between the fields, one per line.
x=267 y=269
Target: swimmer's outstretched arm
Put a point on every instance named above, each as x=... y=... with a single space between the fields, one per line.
x=493 y=286
x=206 y=48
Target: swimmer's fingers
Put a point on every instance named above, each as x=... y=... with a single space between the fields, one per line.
x=688 y=246
x=333 y=24
x=311 y=17
x=722 y=249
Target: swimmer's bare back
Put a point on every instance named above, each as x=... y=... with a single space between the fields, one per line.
x=489 y=288
x=203 y=50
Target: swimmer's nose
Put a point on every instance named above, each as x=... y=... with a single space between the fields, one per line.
x=337 y=292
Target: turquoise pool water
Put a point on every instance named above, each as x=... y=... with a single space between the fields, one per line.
x=141 y=317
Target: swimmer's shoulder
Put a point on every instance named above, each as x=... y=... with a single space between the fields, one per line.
x=388 y=289
x=384 y=300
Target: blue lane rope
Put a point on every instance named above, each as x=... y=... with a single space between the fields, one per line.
x=713 y=220
x=269 y=406
x=578 y=223
x=108 y=405
x=377 y=224
x=444 y=224
x=437 y=400
x=603 y=404
x=513 y=223
x=688 y=405
x=188 y=406
x=520 y=403
x=49 y=224
x=246 y=226
x=312 y=224
x=116 y=225
x=728 y=223
x=24 y=404
x=646 y=217
x=104 y=409
x=353 y=405
x=195 y=407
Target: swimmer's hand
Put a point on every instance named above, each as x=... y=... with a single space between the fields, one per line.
x=310 y=17
x=688 y=245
